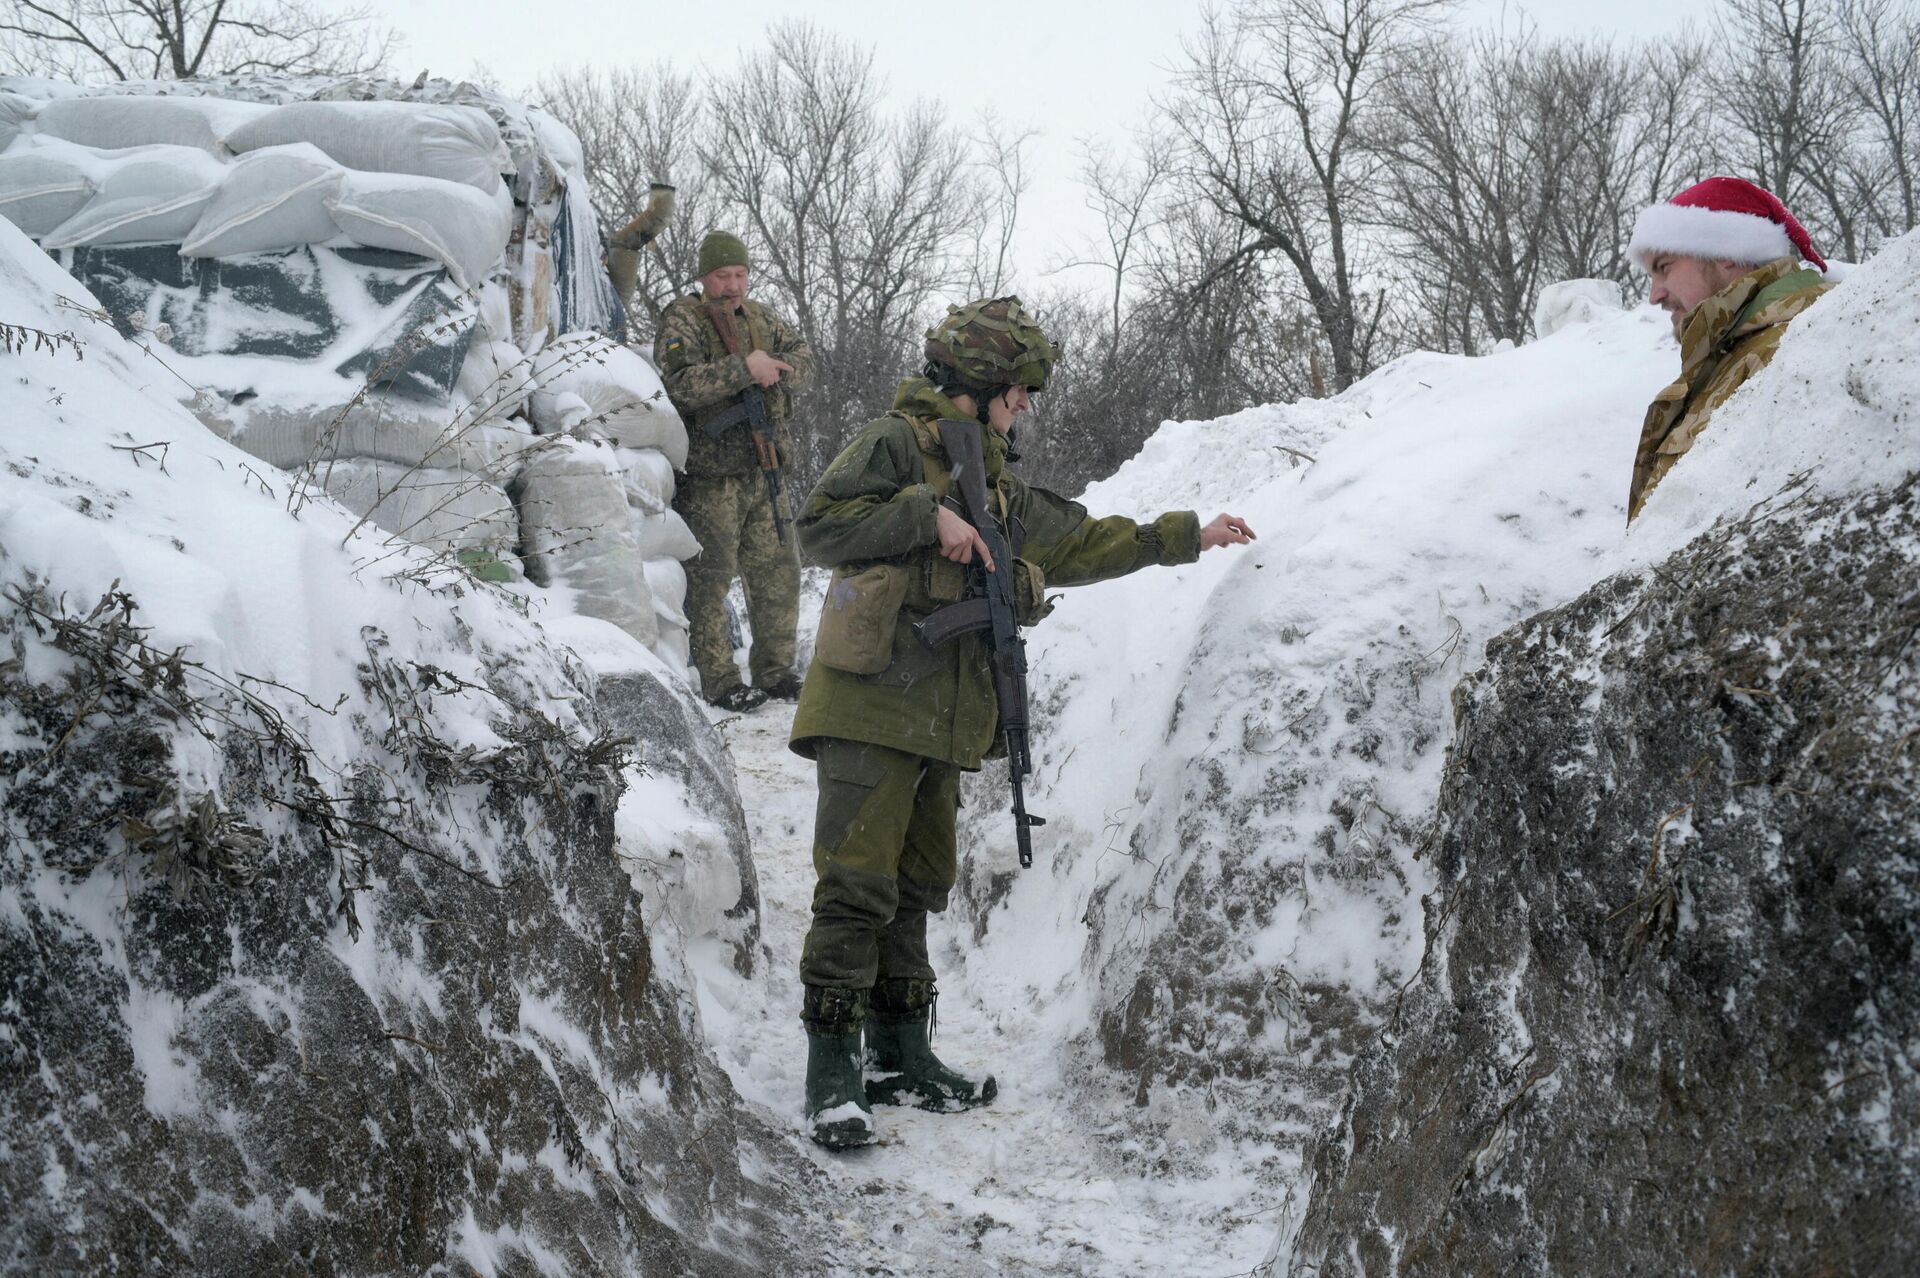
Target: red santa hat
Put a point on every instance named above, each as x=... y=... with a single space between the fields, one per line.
x=1723 y=219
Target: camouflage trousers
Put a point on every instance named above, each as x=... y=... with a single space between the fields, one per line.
x=883 y=848
x=733 y=521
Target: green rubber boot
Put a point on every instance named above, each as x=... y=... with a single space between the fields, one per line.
x=900 y=1054
x=837 y=1106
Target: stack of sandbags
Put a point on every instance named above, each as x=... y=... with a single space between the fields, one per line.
x=16 y=113
x=127 y=169
x=416 y=472
x=587 y=387
x=455 y=144
x=118 y=121
x=664 y=542
x=576 y=533
x=466 y=517
x=419 y=170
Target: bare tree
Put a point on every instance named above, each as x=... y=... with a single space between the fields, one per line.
x=173 y=39
x=1478 y=136
x=1880 y=64
x=1516 y=162
x=1002 y=169
x=856 y=220
x=1784 y=114
x=1269 y=108
x=1126 y=196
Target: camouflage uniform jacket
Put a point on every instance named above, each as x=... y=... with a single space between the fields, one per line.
x=875 y=504
x=1729 y=338
x=702 y=379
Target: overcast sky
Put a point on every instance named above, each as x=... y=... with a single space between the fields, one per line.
x=1070 y=70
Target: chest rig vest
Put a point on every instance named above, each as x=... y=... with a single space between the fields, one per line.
x=865 y=601
x=939 y=581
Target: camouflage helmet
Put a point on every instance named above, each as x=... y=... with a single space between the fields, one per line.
x=992 y=343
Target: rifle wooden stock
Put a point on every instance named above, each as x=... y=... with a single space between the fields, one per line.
x=750 y=411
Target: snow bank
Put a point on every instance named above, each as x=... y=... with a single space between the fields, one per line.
x=1678 y=857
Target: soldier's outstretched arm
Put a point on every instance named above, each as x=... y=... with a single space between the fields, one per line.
x=1074 y=549
x=868 y=505
x=691 y=381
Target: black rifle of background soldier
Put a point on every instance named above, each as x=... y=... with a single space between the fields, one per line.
x=992 y=611
x=751 y=412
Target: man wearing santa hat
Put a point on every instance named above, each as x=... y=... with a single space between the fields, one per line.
x=1725 y=259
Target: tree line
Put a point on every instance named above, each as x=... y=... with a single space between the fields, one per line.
x=1324 y=185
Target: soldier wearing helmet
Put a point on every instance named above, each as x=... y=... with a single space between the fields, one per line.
x=891 y=724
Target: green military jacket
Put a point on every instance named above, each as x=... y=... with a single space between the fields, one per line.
x=1728 y=338
x=875 y=504
x=702 y=379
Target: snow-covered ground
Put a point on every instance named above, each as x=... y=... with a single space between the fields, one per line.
x=1020 y=1187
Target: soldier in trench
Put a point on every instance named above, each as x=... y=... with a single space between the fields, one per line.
x=714 y=347
x=891 y=723
x=1724 y=259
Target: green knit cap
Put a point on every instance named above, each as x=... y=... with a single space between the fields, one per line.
x=721 y=248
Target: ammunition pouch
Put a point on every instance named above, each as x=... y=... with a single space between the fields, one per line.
x=938 y=581
x=858 y=617
x=1030 y=602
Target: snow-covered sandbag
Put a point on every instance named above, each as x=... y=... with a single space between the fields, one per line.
x=153 y=195
x=493 y=307
x=667 y=579
x=648 y=476
x=116 y=123
x=626 y=401
x=448 y=510
x=673 y=645
x=16 y=112
x=454 y=143
x=506 y=441
x=455 y=224
x=42 y=186
x=1574 y=302
x=379 y=427
x=559 y=141
x=575 y=532
x=556 y=412
x=271 y=199
x=664 y=536
x=494 y=379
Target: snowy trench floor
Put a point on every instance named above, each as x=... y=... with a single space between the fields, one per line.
x=1018 y=1187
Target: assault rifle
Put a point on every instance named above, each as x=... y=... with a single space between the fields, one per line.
x=750 y=411
x=992 y=611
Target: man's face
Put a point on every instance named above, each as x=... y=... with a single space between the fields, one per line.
x=1003 y=408
x=726 y=284
x=1680 y=283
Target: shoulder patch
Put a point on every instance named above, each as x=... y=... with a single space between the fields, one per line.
x=675 y=345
